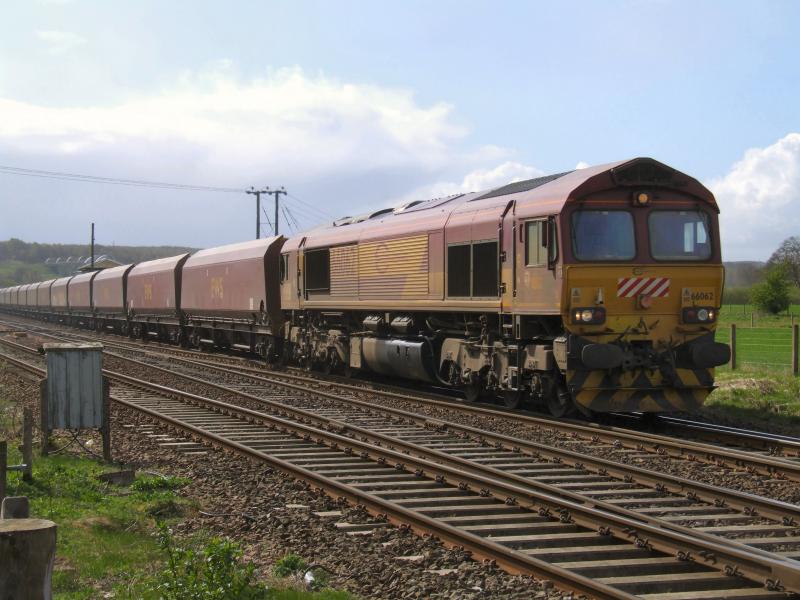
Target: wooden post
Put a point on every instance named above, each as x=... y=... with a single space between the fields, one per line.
x=795 y=341
x=45 y=420
x=3 y=468
x=106 y=427
x=752 y=319
x=27 y=444
x=733 y=346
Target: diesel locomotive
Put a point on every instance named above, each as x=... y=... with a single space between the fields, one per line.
x=592 y=290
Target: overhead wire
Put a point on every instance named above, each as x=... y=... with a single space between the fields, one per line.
x=64 y=176
x=291 y=214
x=288 y=221
x=312 y=207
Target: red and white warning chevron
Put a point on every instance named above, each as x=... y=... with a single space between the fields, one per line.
x=630 y=287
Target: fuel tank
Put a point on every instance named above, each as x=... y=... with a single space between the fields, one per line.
x=399 y=358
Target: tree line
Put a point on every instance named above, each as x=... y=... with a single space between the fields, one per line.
x=780 y=281
x=23 y=262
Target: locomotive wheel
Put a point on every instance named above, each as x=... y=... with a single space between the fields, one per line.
x=512 y=399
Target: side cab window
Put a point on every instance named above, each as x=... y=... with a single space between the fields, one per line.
x=541 y=249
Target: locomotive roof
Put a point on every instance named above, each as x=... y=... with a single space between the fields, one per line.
x=540 y=196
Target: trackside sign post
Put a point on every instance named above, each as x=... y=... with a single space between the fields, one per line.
x=75 y=393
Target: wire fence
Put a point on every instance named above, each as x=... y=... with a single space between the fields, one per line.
x=774 y=348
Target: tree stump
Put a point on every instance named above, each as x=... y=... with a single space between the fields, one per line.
x=27 y=554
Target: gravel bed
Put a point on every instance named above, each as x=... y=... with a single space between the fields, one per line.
x=254 y=505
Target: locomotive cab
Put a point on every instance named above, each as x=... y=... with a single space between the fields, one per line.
x=642 y=288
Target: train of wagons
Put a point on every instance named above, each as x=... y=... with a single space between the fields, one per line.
x=595 y=290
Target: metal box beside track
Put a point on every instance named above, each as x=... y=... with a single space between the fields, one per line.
x=74 y=397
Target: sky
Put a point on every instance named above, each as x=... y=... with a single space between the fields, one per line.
x=354 y=106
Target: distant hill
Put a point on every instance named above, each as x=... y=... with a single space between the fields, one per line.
x=23 y=262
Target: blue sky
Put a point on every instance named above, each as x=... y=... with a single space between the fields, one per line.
x=354 y=105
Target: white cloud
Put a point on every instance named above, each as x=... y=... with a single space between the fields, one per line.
x=759 y=200
x=59 y=42
x=335 y=144
x=286 y=122
x=582 y=165
x=479 y=179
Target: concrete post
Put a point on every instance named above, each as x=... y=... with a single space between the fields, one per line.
x=27 y=554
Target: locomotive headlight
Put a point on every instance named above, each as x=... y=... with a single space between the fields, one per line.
x=699 y=314
x=641 y=198
x=589 y=316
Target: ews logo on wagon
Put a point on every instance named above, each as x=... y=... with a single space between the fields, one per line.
x=217 y=291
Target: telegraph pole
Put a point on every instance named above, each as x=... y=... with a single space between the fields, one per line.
x=257 y=194
x=92 y=246
x=277 y=194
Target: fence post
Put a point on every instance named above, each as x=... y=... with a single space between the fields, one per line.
x=733 y=346
x=3 y=469
x=795 y=341
x=27 y=444
x=752 y=319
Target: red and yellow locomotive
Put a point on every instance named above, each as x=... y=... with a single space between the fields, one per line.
x=594 y=290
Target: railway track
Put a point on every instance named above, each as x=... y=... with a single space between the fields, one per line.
x=780 y=460
x=729 y=438
x=663 y=557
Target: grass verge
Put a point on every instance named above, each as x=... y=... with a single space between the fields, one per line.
x=758 y=398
